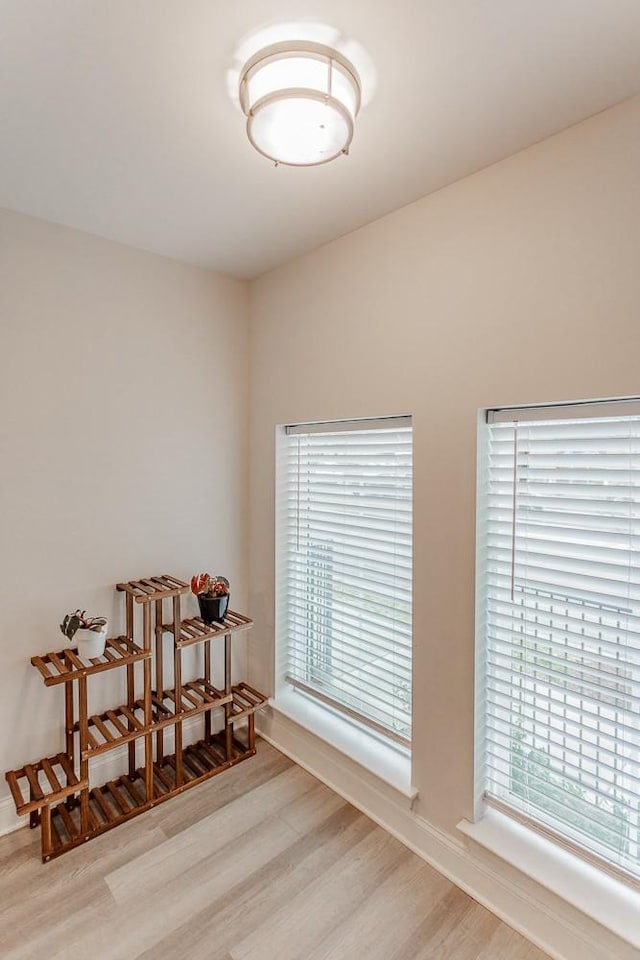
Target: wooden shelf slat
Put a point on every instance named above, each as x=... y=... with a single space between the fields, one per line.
x=158 y=703
x=55 y=835
x=163 y=778
x=98 y=797
x=200 y=694
x=120 y=727
x=119 y=652
x=246 y=700
x=215 y=755
x=34 y=785
x=27 y=787
x=112 y=787
x=102 y=727
x=12 y=779
x=191 y=766
x=67 y=766
x=195 y=630
x=67 y=820
x=110 y=730
x=131 y=717
x=55 y=660
x=47 y=766
x=154 y=588
x=76 y=662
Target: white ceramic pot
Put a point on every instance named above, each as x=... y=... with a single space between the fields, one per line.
x=91 y=643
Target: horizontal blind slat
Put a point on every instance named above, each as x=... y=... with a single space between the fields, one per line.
x=375 y=695
x=537 y=772
x=497 y=688
x=344 y=636
x=499 y=727
x=536 y=784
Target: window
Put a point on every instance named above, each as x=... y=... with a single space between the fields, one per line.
x=559 y=550
x=344 y=568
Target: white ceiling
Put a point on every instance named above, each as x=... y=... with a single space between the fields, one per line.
x=115 y=115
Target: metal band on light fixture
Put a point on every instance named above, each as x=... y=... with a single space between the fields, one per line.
x=300 y=100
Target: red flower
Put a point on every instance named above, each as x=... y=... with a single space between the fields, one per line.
x=199 y=583
x=205 y=584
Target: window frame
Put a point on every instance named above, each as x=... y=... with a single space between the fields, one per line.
x=483 y=805
x=285 y=691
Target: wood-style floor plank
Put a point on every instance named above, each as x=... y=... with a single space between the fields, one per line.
x=184 y=811
x=262 y=894
x=506 y=944
x=330 y=901
x=260 y=863
x=438 y=923
x=397 y=904
x=180 y=854
x=31 y=893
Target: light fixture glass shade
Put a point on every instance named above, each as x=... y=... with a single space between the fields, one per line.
x=300 y=100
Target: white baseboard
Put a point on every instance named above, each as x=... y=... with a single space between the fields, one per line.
x=106 y=766
x=554 y=926
x=8 y=819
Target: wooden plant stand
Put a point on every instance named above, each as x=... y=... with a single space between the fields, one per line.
x=56 y=791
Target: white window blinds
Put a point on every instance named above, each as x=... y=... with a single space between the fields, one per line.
x=345 y=567
x=561 y=737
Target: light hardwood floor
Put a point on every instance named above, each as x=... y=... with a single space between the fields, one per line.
x=261 y=863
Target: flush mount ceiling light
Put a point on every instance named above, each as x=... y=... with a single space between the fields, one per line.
x=300 y=100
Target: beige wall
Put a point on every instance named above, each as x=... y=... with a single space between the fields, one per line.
x=518 y=284
x=123 y=446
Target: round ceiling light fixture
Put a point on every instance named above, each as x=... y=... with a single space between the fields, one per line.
x=300 y=100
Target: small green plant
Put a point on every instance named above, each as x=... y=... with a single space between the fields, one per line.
x=204 y=585
x=80 y=621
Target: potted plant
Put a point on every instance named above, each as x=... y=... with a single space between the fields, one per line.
x=213 y=596
x=90 y=633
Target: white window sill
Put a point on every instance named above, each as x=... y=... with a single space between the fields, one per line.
x=389 y=764
x=610 y=902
